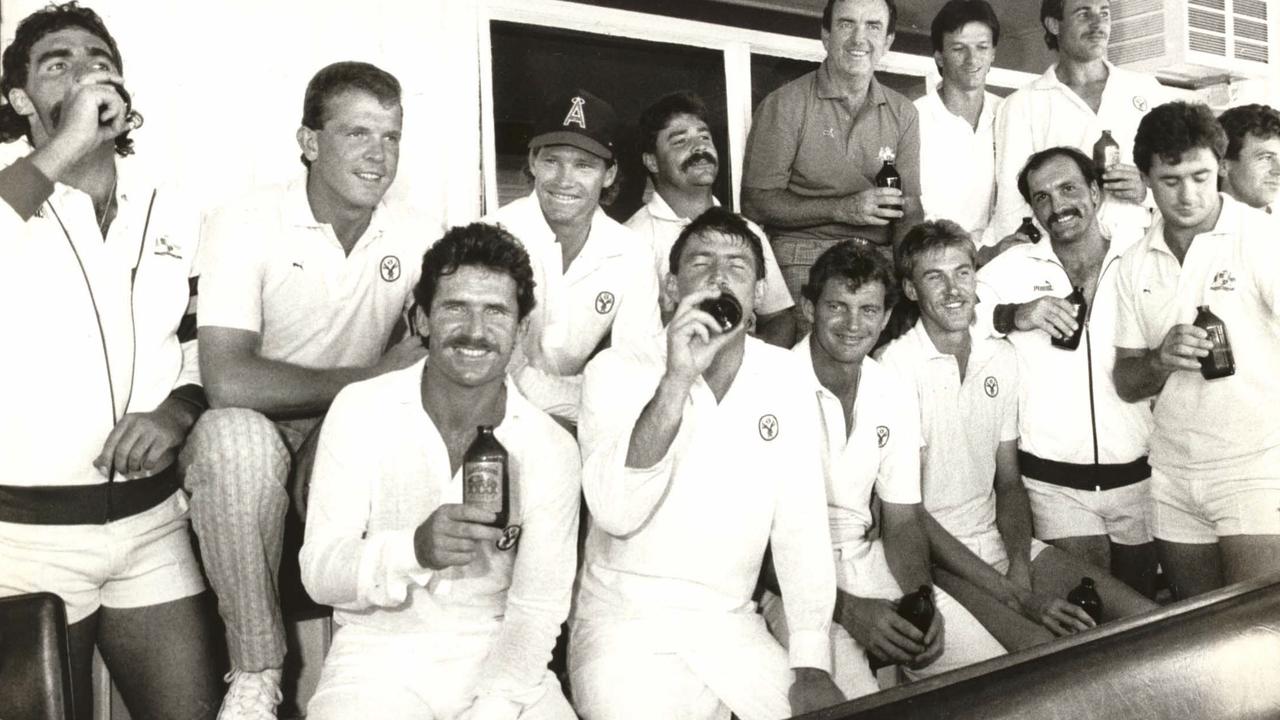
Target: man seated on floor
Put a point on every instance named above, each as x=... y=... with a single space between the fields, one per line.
x=967 y=386
x=871 y=445
x=701 y=448
x=442 y=613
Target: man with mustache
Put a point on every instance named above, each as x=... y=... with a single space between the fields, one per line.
x=700 y=449
x=99 y=379
x=1082 y=449
x=443 y=614
x=817 y=143
x=978 y=519
x=1070 y=105
x=682 y=161
x=1251 y=167
x=595 y=280
x=1215 y=450
x=301 y=287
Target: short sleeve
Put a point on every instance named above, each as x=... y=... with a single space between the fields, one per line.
x=231 y=272
x=773 y=141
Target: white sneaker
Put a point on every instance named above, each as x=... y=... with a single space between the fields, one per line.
x=252 y=695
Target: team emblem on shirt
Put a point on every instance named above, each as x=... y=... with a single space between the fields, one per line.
x=768 y=427
x=1140 y=103
x=164 y=247
x=604 y=302
x=389 y=268
x=882 y=435
x=1223 y=280
x=509 y=538
x=829 y=132
x=991 y=387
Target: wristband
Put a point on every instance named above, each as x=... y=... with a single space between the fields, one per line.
x=1003 y=319
x=192 y=395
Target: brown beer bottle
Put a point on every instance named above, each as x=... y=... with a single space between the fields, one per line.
x=888 y=176
x=485 y=480
x=1029 y=230
x=1219 y=363
x=1085 y=596
x=917 y=608
x=1072 y=341
x=1106 y=154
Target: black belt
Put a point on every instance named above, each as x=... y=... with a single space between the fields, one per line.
x=86 y=504
x=1103 y=476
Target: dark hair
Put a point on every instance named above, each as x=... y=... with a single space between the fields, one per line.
x=928 y=237
x=659 y=114
x=958 y=13
x=17 y=61
x=1174 y=128
x=1039 y=159
x=478 y=245
x=340 y=77
x=725 y=222
x=893 y=15
x=1050 y=9
x=1260 y=121
x=854 y=263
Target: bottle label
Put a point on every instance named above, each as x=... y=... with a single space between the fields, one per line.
x=1217 y=337
x=482 y=485
x=1111 y=157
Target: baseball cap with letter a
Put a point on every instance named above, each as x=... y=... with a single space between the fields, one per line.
x=580 y=119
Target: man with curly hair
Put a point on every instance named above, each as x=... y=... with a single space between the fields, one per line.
x=1251 y=168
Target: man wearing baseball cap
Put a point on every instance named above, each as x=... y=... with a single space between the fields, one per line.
x=596 y=282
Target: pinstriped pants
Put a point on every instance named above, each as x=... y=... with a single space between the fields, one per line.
x=238 y=473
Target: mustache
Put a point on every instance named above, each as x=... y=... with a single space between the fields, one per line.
x=471 y=343
x=699 y=156
x=1070 y=212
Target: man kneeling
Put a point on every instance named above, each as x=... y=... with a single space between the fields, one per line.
x=440 y=616
x=967 y=385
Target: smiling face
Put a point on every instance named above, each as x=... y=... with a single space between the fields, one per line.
x=684 y=156
x=1186 y=192
x=57 y=62
x=858 y=38
x=1064 y=203
x=568 y=182
x=354 y=156
x=1254 y=177
x=943 y=283
x=1084 y=30
x=472 y=326
x=846 y=321
x=966 y=56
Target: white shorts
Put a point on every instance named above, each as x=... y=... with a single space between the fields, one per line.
x=990 y=547
x=1122 y=514
x=372 y=673
x=1200 y=512
x=138 y=561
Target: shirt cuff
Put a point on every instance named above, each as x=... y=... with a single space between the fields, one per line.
x=493 y=707
x=23 y=187
x=389 y=567
x=811 y=649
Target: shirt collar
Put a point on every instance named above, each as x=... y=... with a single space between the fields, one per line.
x=661 y=210
x=828 y=89
x=410 y=394
x=297 y=209
x=1049 y=80
x=1227 y=224
x=980 y=345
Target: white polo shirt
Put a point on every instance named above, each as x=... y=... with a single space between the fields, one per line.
x=1067 y=399
x=374 y=484
x=660 y=225
x=270 y=267
x=1046 y=113
x=880 y=452
x=958 y=164
x=686 y=537
x=962 y=423
x=609 y=290
x=1221 y=429
x=90 y=325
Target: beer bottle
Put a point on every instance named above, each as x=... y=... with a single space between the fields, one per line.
x=725 y=310
x=1106 y=154
x=1219 y=363
x=888 y=176
x=917 y=608
x=1085 y=596
x=1071 y=342
x=485 y=481
x=1029 y=230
